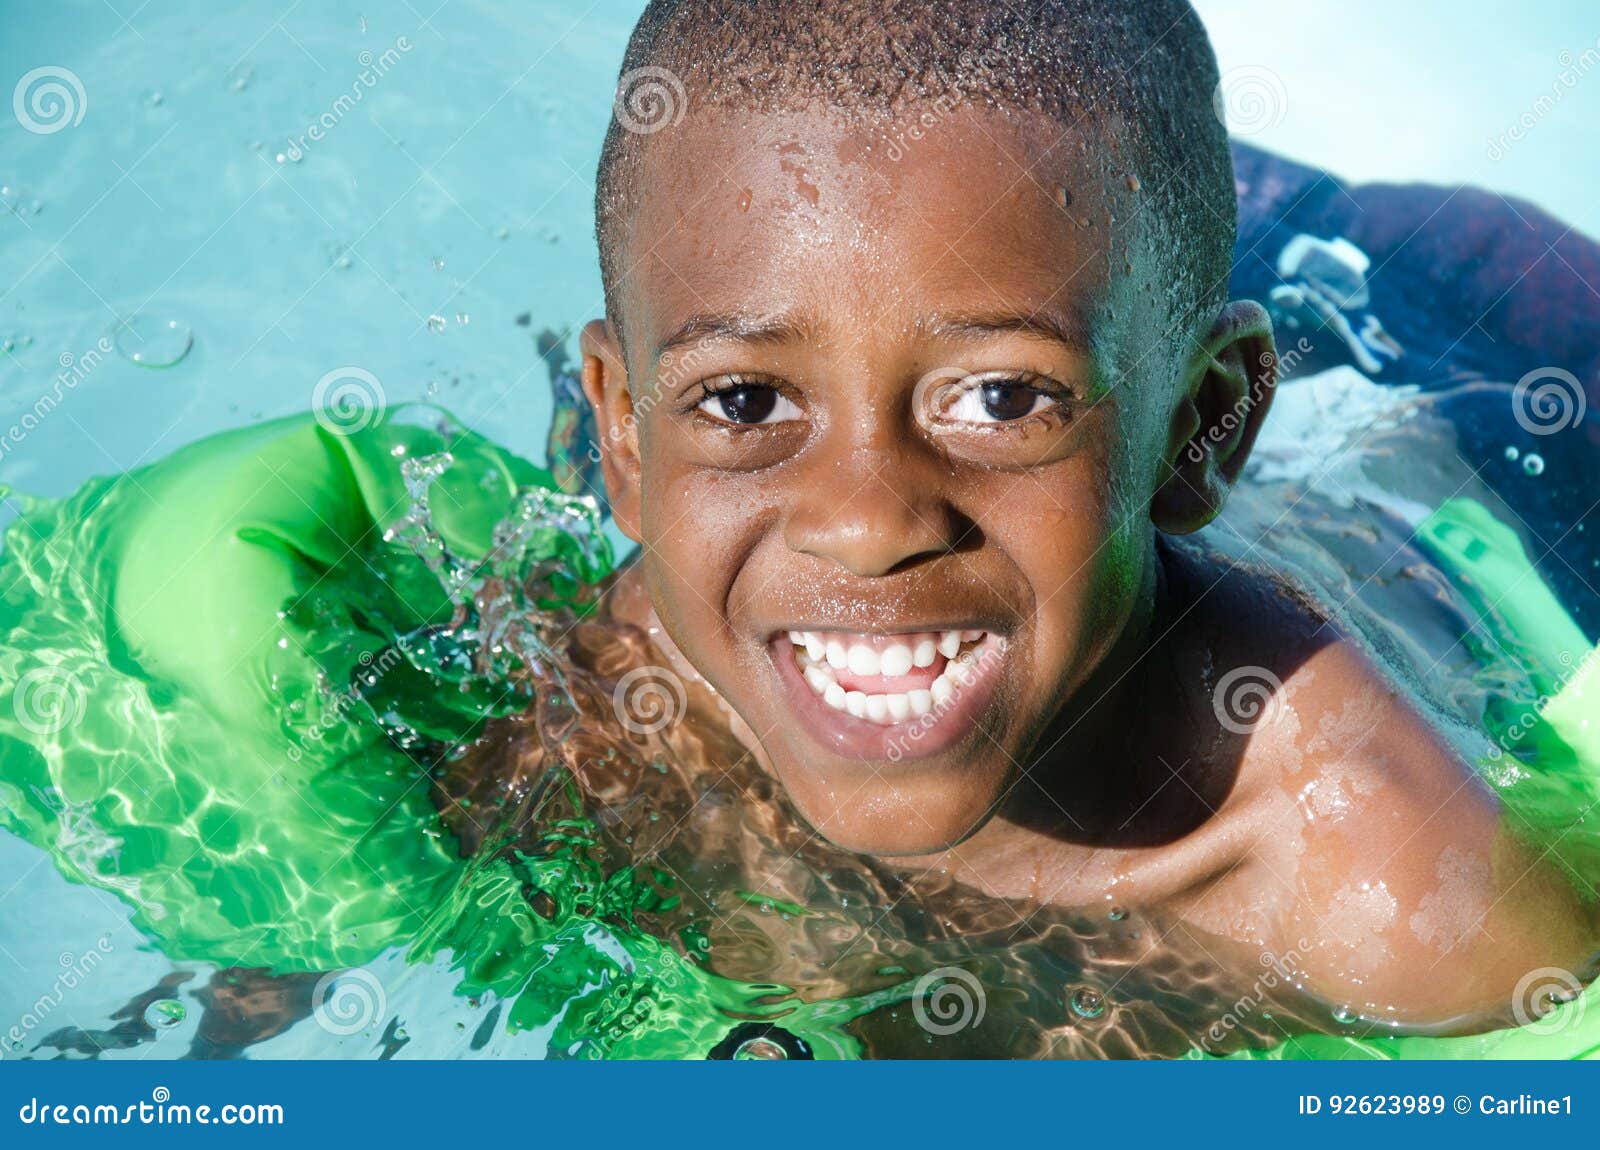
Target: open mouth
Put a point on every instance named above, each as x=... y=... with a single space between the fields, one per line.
x=889 y=695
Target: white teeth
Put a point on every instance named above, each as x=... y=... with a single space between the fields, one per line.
x=896 y=660
x=864 y=661
x=819 y=659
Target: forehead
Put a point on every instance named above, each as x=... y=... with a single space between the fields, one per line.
x=883 y=222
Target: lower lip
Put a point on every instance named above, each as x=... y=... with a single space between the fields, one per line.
x=916 y=738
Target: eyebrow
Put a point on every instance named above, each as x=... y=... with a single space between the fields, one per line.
x=740 y=328
x=1068 y=330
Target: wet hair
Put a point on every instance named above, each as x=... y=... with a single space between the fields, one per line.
x=1146 y=63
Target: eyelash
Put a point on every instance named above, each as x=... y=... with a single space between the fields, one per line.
x=1061 y=399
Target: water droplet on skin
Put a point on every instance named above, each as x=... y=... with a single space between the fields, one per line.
x=763 y=1049
x=1133 y=182
x=1344 y=1016
x=1087 y=1002
x=1512 y=453
x=437 y=323
x=1533 y=465
x=744 y=200
x=153 y=340
x=165 y=1013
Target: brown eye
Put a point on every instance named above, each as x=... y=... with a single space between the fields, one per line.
x=749 y=404
x=996 y=401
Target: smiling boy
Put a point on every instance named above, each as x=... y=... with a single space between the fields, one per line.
x=916 y=373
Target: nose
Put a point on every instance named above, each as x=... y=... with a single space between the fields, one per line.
x=872 y=512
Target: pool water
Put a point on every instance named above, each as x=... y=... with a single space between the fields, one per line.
x=428 y=832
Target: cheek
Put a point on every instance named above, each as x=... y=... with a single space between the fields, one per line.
x=1083 y=541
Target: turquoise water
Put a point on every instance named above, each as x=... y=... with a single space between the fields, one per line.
x=195 y=262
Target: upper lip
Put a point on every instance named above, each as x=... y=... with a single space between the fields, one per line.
x=919 y=628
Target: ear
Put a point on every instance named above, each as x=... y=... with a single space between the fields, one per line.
x=1228 y=389
x=605 y=385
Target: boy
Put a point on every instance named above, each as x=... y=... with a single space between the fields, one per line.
x=915 y=374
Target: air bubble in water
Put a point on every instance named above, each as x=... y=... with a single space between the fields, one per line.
x=165 y=1013
x=1087 y=1002
x=1512 y=454
x=239 y=77
x=762 y=1049
x=437 y=323
x=1117 y=913
x=1344 y=1016
x=1533 y=464
x=153 y=340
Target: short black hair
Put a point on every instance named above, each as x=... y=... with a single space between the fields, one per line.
x=1149 y=63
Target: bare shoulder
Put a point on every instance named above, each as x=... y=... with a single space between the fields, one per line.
x=1382 y=861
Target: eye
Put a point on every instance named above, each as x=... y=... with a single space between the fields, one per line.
x=749 y=404
x=995 y=401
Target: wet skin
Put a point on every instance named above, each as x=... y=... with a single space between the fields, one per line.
x=789 y=286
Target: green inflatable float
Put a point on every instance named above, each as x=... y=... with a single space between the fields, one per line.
x=219 y=662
